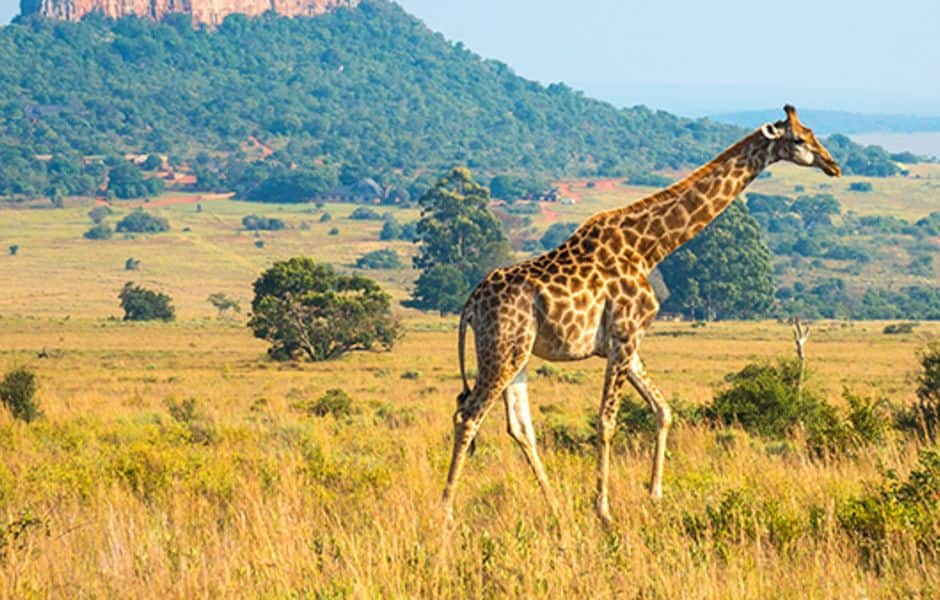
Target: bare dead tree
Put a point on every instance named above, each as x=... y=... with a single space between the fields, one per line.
x=800 y=335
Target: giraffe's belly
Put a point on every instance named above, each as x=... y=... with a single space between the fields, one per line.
x=571 y=339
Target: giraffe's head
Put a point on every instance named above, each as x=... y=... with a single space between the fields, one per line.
x=797 y=144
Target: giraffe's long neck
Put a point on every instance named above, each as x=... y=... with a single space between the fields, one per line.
x=666 y=220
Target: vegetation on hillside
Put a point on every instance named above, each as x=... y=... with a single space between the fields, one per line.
x=283 y=109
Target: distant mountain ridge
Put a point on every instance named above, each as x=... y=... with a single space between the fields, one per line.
x=833 y=121
x=207 y=12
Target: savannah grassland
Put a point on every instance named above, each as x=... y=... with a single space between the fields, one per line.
x=127 y=489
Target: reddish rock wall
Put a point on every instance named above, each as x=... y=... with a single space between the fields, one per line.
x=209 y=12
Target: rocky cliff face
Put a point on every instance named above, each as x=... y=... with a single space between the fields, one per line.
x=208 y=12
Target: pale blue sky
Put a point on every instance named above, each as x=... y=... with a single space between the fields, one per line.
x=697 y=57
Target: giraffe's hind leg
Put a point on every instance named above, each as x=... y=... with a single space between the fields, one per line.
x=519 y=421
x=494 y=375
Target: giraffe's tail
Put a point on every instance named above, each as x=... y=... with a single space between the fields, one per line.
x=461 y=347
x=464 y=394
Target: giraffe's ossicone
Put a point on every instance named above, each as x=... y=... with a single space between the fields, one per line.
x=590 y=296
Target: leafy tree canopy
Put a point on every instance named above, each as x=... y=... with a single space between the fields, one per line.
x=304 y=308
x=457 y=229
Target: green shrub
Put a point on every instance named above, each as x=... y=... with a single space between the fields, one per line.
x=185 y=412
x=385 y=258
x=365 y=214
x=257 y=223
x=928 y=390
x=334 y=402
x=411 y=374
x=141 y=304
x=897 y=512
x=739 y=516
x=18 y=391
x=101 y=231
x=142 y=222
x=325 y=217
x=550 y=371
x=764 y=399
x=896 y=328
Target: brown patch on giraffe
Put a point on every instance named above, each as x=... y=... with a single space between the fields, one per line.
x=657 y=228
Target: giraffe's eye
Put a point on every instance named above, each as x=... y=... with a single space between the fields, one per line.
x=799 y=141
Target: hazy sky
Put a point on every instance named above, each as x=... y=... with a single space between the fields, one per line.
x=695 y=56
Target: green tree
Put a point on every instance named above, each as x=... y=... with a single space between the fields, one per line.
x=141 y=304
x=731 y=268
x=458 y=230
x=304 y=308
x=442 y=287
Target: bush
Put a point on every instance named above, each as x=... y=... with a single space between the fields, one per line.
x=764 y=399
x=898 y=512
x=141 y=304
x=363 y=213
x=379 y=259
x=256 y=223
x=928 y=390
x=860 y=186
x=98 y=214
x=132 y=264
x=390 y=231
x=334 y=402
x=199 y=427
x=550 y=371
x=896 y=328
x=142 y=222
x=325 y=217
x=101 y=231
x=14 y=248
x=17 y=392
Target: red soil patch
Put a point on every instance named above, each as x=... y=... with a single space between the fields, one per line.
x=550 y=215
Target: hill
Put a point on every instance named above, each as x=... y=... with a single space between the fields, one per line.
x=308 y=104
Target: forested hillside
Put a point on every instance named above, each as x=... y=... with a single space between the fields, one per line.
x=303 y=105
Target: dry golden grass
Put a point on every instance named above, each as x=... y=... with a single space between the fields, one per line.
x=272 y=502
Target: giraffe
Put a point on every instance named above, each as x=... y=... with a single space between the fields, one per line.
x=590 y=296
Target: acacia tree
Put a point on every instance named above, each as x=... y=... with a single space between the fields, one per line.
x=307 y=309
x=725 y=271
x=456 y=230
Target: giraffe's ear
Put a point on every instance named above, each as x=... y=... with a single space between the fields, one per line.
x=770 y=131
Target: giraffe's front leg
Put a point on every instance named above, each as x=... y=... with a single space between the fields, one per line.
x=617 y=368
x=644 y=385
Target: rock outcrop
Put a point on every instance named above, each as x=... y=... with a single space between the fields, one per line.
x=208 y=12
